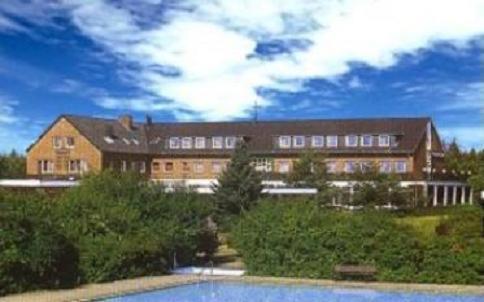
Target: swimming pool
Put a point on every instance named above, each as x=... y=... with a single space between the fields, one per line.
x=248 y=292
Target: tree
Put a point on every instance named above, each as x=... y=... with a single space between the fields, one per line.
x=310 y=171
x=12 y=165
x=239 y=186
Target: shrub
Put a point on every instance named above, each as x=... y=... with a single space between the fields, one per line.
x=33 y=254
x=303 y=240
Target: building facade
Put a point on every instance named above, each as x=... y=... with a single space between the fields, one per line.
x=196 y=153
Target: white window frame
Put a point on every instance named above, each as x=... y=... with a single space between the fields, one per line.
x=332 y=141
x=263 y=164
x=380 y=140
x=397 y=166
x=174 y=142
x=385 y=166
x=217 y=164
x=347 y=140
x=314 y=139
x=362 y=140
x=198 y=167
x=217 y=142
x=284 y=141
x=124 y=166
x=109 y=140
x=186 y=142
x=142 y=167
x=69 y=146
x=200 y=142
x=49 y=164
x=228 y=139
x=348 y=164
x=57 y=142
x=294 y=141
x=331 y=166
x=287 y=166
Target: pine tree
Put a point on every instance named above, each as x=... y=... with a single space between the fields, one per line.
x=239 y=186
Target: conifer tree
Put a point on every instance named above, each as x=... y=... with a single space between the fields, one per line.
x=239 y=186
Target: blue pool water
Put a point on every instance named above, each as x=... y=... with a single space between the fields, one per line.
x=242 y=292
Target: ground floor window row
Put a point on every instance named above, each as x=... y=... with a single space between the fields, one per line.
x=72 y=166
x=279 y=166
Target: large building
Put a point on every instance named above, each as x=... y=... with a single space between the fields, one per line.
x=195 y=153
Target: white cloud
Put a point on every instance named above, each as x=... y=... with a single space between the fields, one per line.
x=6 y=110
x=467 y=97
x=209 y=45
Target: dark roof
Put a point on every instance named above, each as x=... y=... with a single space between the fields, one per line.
x=153 y=138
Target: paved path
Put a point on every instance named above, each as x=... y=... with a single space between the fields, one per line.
x=96 y=291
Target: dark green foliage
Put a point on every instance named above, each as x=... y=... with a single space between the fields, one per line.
x=239 y=186
x=303 y=240
x=12 y=165
x=33 y=253
x=111 y=227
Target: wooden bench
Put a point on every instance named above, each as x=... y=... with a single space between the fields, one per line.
x=361 y=272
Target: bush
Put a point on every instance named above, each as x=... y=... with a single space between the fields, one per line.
x=33 y=253
x=303 y=240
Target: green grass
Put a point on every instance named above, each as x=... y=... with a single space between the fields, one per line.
x=423 y=225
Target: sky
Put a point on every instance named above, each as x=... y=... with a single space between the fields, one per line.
x=211 y=60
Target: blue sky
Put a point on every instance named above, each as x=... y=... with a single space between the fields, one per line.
x=180 y=60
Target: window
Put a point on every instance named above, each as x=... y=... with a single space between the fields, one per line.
x=298 y=141
x=401 y=166
x=46 y=166
x=155 y=166
x=384 y=140
x=351 y=141
x=142 y=167
x=317 y=141
x=124 y=166
x=284 y=166
x=109 y=140
x=230 y=142
x=169 y=166
x=186 y=143
x=174 y=142
x=365 y=166
x=217 y=142
x=350 y=167
x=332 y=141
x=198 y=167
x=263 y=164
x=57 y=142
x=200 y=142
x=331 y=167
x=74 y=166
x=134 y=166
x=367 y=140
x=284 y=141
x=216 y=167
x=70 y=142
x=385 y=167
x=185 y=167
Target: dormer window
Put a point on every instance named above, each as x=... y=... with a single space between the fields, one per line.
x=109 y=140
x=317 y=141
x=217 y=142
x=57 y=142
x=351 y=141
x=284 y=142
x=332 y=141
x=366 y=140
x=384 y=140
x=230 y=142
x=186 y=143
x=174 y=142
x=298 y=141
x=200 y=142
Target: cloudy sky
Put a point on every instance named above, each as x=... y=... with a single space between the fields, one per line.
x=214 y=59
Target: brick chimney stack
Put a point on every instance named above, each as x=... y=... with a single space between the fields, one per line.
x=126 y=121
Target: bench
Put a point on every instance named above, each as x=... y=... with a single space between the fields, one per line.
x=361 y=272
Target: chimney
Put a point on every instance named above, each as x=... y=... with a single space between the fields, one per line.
x=126 y=121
